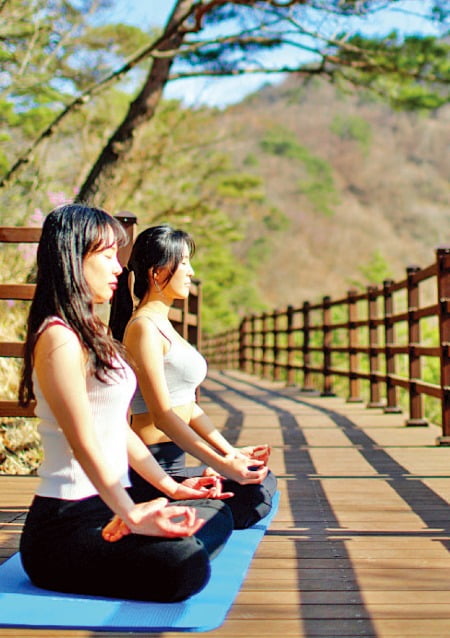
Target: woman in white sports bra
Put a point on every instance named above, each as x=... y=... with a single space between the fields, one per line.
x=165 y=413
x=84 y=532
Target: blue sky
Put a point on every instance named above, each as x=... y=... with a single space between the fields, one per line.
x=221 y=92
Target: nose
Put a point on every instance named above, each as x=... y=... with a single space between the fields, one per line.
x=117 y=269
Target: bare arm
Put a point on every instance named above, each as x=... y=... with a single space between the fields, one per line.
x=143 y=462
x=145 y=346
x=202 y=424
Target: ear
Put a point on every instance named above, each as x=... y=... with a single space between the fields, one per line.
x=131 y=278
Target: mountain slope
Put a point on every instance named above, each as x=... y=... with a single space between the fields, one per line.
x=359 y=183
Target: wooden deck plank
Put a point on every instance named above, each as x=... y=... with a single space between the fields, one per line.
x=359 y=546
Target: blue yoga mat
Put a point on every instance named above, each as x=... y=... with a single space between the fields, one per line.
x=24 y=605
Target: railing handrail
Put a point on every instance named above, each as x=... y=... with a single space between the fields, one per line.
x=272 y=343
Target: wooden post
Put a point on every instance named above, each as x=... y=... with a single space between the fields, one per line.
x=306 y=312
x=184 y=319
x=252 y=344
x=276 y=350
x=389 y=339
x=327 y=390
x=290 y=345
x=374 y=384
x=352 y=336
x=265 y=358
x=414 y=364
x=110 y=312
x=263 y=366
x=234 y=347
x=443 y=276
x=129 y=222
x=243 y=345
x=197 y=310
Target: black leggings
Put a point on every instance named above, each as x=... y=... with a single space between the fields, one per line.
x=62 y=549
x=249 y=504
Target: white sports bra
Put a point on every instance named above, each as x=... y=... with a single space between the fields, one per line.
x=184 y=368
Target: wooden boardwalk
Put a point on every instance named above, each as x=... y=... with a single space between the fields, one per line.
x=360 y=544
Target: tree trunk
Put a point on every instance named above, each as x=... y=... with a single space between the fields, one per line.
x=141 y=110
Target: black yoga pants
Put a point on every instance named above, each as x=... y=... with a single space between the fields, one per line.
x=249 y=504
x=62 y=549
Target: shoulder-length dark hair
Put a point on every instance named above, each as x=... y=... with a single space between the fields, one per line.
x=69 y=233
x=156 y=247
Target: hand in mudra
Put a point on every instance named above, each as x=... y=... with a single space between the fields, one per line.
x=257 y=452
x=155 y=518
x=210 y=486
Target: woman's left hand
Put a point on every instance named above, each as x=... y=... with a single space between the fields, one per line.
x=201 y=487
x=115 y=530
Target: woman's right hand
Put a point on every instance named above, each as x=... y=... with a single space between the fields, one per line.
x=209 y=487
x=260 y=452
x=244 y=470
x=155 y=518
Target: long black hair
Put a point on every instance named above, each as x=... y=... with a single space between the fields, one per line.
x=69 y=233
x=154 y=248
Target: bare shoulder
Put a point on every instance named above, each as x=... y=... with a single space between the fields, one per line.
x=57 y=336
x=141 y=326
x=143 y=337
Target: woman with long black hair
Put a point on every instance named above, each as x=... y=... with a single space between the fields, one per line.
x=165 y=412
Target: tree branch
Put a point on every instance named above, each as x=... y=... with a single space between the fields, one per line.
x=143 y=106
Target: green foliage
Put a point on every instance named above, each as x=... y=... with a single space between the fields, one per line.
x=375 y=271
x=3 y=162
x=241 y=185
x=50 y=52
x=276 y=220
x=412 y=73
x=251 y=160
x=318 y=186
x=353 y=128
x=280 y=141
x=121 y=40
x=258 y=251
x=35 y=119
x=229 y=291
x=8 y=117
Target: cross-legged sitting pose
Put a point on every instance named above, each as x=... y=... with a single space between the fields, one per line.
x=84 y=533
x=165 y=412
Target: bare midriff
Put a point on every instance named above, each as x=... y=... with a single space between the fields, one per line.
x=146 y=428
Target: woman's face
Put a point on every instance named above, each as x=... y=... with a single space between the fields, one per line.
x=180 y=282
x=101 y=269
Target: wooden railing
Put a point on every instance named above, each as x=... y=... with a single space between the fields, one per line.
x=185 y=314
x=380 y=337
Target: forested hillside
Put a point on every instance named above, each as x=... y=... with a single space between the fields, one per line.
x=298 y=191
x=359 y=191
